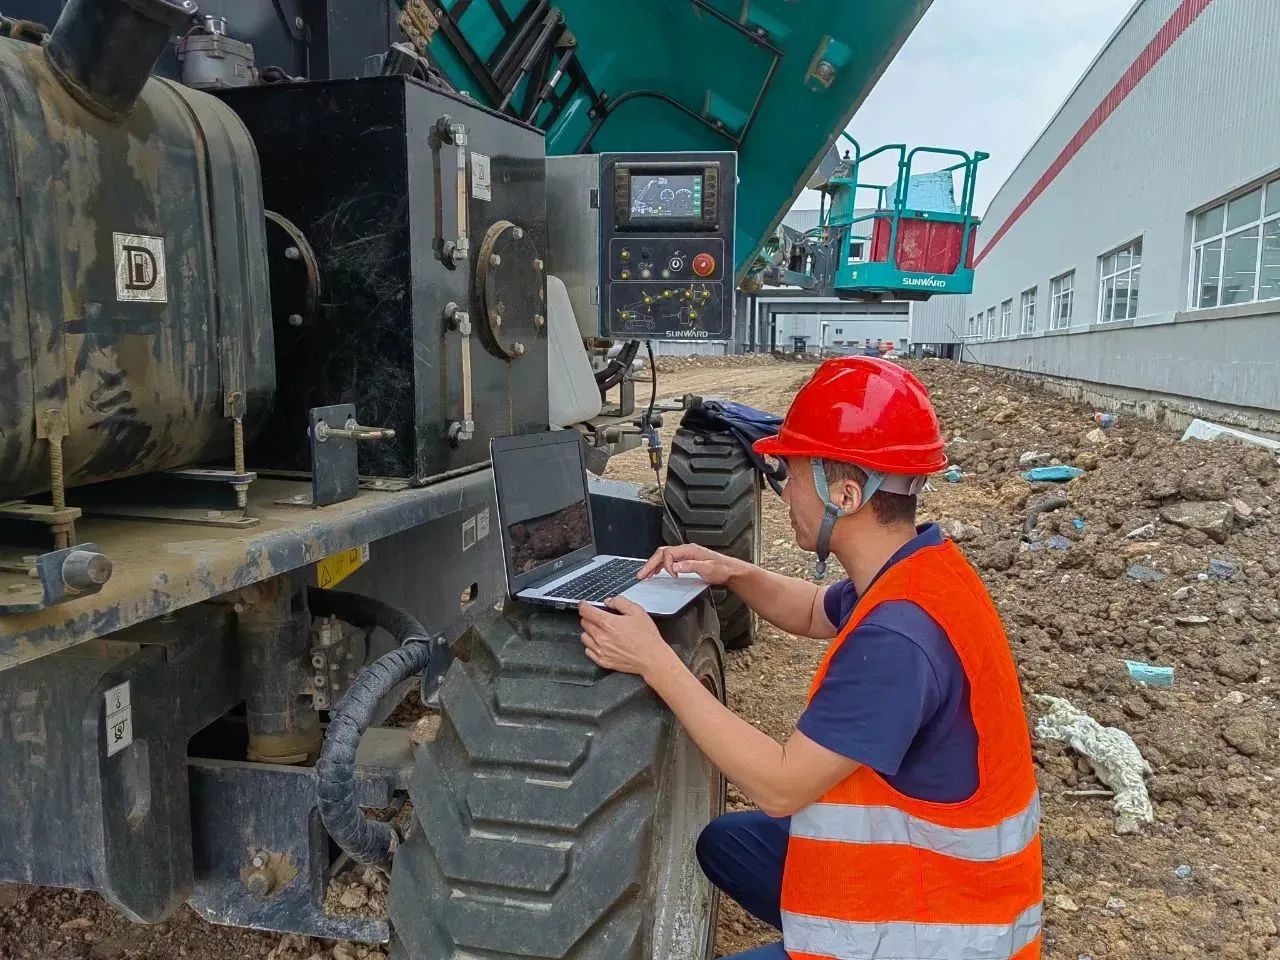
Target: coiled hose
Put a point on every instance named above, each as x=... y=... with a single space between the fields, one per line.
x=366 y=841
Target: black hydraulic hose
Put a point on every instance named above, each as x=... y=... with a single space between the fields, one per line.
x=617 y=368
x=362 y=611
x=367 y=841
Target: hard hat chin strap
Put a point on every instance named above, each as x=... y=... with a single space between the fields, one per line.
x=831 y=513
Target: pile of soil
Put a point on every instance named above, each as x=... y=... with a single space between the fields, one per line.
x=676 y=364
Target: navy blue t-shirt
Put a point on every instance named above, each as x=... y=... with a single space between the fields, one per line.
x=895 y=697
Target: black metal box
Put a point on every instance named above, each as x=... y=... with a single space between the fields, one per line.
x=427 y=217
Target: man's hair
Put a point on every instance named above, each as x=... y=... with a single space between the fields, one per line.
x=889 y=508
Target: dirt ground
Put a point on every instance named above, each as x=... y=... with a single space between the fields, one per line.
x=1164 y=552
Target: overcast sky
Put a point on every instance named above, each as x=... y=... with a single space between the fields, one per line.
x=985 y=75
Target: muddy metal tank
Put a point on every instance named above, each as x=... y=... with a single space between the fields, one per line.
x=134 y=296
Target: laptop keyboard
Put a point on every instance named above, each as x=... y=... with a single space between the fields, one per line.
x=607 y=580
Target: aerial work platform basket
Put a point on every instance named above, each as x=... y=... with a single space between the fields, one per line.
x=916 y=240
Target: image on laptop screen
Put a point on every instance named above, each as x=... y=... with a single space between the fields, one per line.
x=549 y=537
x=544 y=505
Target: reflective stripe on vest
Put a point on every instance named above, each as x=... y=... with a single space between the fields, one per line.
x=855 y=824
x=910 y=941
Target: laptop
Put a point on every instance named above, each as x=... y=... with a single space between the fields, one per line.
x=548 y=539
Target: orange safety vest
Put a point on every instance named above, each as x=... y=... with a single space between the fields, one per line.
x=872 y=874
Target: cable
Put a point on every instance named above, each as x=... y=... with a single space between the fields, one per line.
x=655 y=442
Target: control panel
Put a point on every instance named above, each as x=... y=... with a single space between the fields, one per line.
x=666 y=256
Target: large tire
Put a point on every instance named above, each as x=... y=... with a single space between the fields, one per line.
x=713 y=499
x=556 y=810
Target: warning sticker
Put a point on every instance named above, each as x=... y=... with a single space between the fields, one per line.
x=482 y=524
x=140 y=272
x=469 y=533
x=333 y=570
x=119 y=714
x=481 y=178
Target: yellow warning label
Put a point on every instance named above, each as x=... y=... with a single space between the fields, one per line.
x=333 y=570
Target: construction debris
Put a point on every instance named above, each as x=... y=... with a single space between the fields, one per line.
x=1114 y=756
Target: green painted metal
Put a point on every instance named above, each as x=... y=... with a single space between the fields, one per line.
x=777 y=80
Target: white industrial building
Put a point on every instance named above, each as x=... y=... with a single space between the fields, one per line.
x=1135 y=250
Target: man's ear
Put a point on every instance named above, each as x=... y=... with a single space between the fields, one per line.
x=847 y=496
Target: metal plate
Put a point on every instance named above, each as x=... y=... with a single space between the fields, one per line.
x=335 y=474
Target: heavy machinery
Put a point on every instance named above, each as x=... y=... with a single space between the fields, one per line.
x=272 y=275
x=915 y=240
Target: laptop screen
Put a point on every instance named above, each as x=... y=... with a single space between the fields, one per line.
x=542 y=505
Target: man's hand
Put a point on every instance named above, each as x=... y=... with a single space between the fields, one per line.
x=623 y=638
x=715 y=568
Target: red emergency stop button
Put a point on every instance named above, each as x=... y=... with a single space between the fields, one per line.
x=704 y=264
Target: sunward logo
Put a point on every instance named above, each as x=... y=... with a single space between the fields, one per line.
x=923 y=282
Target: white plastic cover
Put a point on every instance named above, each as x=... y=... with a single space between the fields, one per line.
x=572 y=394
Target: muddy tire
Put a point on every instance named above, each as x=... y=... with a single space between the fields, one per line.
x=713 y=499
x=556 y=810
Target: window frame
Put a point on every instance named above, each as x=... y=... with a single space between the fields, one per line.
x=1058 y=295
x=1132 y=274
x=1006 y=318
x=1028 y=299
x=1260 y=224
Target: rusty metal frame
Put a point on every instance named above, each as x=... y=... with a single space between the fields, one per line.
x=159 y=571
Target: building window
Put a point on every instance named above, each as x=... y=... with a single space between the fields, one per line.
x=1061 y=300
x=1029 y=310
x=1236 y=252
x=991 y=323
x=1119 y=274
x=1006 y=318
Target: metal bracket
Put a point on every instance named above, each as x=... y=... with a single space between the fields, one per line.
x=334 y=432
x=31 y=583
x=199 y=496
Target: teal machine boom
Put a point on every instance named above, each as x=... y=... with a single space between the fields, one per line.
x=773 y=80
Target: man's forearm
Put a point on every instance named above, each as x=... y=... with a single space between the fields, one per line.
x=789 y=603
x=751 y=759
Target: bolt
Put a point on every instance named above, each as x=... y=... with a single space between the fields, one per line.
x=299 y=23
x=295 y=319
x=259 y=860
x=517 y=233
x=495 y=260
x=518 y=349
x=258 y=883
x=298 y=497
x=292 y=253
x=213 y=514
x=317 y=660
x=319 y=681
x=497 y=319
x=826 y=72
x=539 y=320
x=538 y=264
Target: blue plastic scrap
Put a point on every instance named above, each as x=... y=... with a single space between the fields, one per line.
x=1149 y=675
x=1059 y=474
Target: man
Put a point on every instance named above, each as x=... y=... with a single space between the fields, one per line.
x=901 y=818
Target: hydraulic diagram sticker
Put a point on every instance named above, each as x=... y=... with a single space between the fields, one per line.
x=140 y=273
x=119 y=714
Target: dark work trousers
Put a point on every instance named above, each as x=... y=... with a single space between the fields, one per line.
x=743 y=854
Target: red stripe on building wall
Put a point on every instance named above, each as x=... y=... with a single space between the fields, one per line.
x=1174 y=27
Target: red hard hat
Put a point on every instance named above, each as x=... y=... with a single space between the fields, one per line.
x=865 y=411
